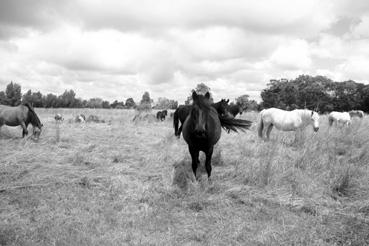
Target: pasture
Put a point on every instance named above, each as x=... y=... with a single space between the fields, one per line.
x=114 y=183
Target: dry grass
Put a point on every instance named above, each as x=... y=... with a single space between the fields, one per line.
x=130 y=183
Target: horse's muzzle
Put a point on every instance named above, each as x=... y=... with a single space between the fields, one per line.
x=316 y=129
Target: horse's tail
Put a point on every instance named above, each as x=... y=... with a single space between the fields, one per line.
x=175 y=122
x=260 y=127
x=234 y=124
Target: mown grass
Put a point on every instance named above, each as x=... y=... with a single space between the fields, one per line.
x=129 y=183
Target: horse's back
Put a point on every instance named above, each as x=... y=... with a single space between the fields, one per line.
x=282 y=119
x=13 y=116
x=340 y=116
x=183 y=111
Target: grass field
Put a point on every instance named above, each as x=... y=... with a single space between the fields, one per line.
x=126 y=183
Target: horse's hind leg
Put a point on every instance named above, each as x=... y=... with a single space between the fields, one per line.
x=25 y=131
x=209 y=154
x=269 y=129
x=195 y=159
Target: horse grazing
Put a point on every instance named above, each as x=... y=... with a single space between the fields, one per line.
x=235 y=109
x=286 y=120
x=356 y=113
x=202 y=129
x=161 y=115
x=81 y=118
x=22 y=115
x=58 y=118
x=343 y=118
x=183 y=111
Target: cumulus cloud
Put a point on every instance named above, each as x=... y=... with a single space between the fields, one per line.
x=118 y=49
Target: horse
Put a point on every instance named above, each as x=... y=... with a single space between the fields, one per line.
x=183 y=111
x=343 y=118
x=356 y=113
x=286 y=120
x=160 y=115
x=235 y=109
x=22 y=115
x=58 y=118
x=81 y=118
x=202 y=129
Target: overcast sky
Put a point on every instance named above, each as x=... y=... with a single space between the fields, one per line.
x=119 y=49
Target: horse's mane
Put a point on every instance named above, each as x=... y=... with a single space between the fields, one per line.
x=33 y=118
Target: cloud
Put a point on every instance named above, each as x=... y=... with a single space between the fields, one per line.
x=118 y=49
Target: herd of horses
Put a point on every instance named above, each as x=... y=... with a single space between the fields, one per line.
x=201 y=122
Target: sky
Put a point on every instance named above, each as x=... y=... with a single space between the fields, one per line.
x=119 y=49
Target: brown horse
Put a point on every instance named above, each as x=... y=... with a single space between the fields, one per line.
x=202 y=129
x=183 y=111
x=21 y=115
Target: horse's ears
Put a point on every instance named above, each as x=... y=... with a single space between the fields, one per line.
x=194 y=95
x=227 y=101
x=207 y=95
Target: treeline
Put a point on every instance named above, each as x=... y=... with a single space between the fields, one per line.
x=316 y=92
x=313 y=92
x=13 y=96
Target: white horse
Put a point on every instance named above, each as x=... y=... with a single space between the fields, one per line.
x=343 y=118
x=356 y=113
x=287 y=120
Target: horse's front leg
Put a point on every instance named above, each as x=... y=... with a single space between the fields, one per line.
x=195 y=159
x=269 y=129
x=209 y=154
x=25 y=131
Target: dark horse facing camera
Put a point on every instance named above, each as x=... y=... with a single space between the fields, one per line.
x=202 y=129
x=22 y=115
x=183 y=111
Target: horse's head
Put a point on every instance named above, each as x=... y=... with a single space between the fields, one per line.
x=222 y=108
x=199 y=113
x=315 y=120
x=37 y=131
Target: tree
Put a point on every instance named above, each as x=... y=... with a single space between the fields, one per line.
x=173 y=104
x=200 y=89
x=95 y=103
x=117 y=104
x=243 y=102
x=3 y=98
x=67 y=99
x=145 y=103
x=130 y=103
x=50 y=101
x=27 y=97
x=146 y=98
x=105 y=104
x=13 y=94
x=34 y=98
